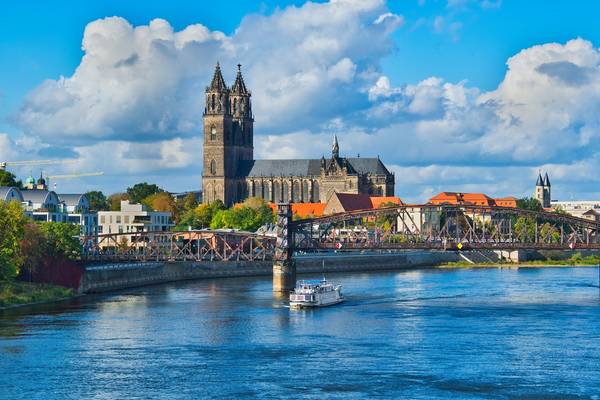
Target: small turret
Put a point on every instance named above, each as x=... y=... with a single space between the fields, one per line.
x=335 y=149
x=217 y=95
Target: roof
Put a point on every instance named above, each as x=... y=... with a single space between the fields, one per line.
x=304 y=209
x=37 y=195
x=479 y=199
x=239 y=86
x=352 y=202
x=376 y=202
x=546 y=180
x=540 y=181
x=71 y=199
x=307 y=167
x=218 y=83
x=5 y=191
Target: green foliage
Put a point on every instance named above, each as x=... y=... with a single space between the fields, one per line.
x=140 y=191
x=62 y=239
x=34 y=247
x=12 y=228
x=114 y=201
x=529 y=203
x=525 y=229
x=12 y=293
x=9 y=179
x=199 y=217
x=98 y=202
x=249 y=216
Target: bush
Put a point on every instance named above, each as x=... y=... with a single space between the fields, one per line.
x=12 y=223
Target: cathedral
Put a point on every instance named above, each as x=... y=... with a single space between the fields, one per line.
x=231 y=174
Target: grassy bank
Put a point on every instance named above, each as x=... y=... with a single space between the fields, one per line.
x=575 y=260
x=15 y=293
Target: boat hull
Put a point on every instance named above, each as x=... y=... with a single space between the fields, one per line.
x=304 y=304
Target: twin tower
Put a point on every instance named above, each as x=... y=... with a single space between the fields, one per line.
x=228 y=138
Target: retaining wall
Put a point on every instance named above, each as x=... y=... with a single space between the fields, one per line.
x=112 y=276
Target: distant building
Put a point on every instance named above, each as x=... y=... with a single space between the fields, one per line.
x=182 y=195
x=577 y=208
x=231 y=174
x=543 y=190
x=346 y=202
x=8 y=193
x=44 y=205
x=77 y=208
x=476 y=199
x=133 y=218
x=304 y=210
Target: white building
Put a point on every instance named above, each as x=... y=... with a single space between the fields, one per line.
x=77 y=208
x=43 y=205
x=133 y=218
x=578 y=208
x=8 y=193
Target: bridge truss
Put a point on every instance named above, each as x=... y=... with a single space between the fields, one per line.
x=445 y=227
x=178 y=246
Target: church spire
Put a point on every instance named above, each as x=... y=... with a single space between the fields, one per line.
x=540 y=181
x=218 y=83
x=546 y=180
x=335 y=149
x=239 y=87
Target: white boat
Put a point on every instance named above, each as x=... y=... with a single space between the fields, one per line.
x=315 y=293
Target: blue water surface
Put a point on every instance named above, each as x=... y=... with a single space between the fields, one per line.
x=426 y=334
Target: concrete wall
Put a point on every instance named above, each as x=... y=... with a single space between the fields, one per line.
x=105 y=277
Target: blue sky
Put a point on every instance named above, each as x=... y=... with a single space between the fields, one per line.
x=464 y=44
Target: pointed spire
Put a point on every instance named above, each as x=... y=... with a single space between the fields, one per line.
x=540 y=181
x=239 y=87
x=335 y=149
x=546 y=180
x=218 y=83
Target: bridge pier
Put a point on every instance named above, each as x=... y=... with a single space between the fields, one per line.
x=284 y=267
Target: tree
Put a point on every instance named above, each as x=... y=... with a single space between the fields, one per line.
x=140 y=191
x=248 y=216
x=200 y=217
x=62 y=239
x=529 y=203
x=98 y=202
x=114 y=201
x=9 y=179
x=12 y=223
x=161 y=201
x=34 y=247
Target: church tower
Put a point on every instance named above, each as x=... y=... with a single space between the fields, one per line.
x=543 y=190
x=228 y=139
x=218 y=165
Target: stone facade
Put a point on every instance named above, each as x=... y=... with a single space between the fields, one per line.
x=543 y=190
x=231 y=174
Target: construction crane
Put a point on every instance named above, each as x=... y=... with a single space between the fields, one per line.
x=4 y=164
x=71 y=176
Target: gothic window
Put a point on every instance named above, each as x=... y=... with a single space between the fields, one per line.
x=235 y=103
x=296 y=198
x=213 y=167
x=316 y=194
x=276 y=192
x=213 y=133
x=259 y=190
x=285 y=198
x=213 y=102
x=305 y=192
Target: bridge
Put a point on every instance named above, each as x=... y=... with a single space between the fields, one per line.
x=435 y=227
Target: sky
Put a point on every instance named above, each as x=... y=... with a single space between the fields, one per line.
x=453 y=95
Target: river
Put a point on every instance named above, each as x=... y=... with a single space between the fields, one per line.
x=425 y=334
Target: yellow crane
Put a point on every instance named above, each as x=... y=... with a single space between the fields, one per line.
x=4 y=164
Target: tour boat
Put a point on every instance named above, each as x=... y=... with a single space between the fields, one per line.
x=315 y=293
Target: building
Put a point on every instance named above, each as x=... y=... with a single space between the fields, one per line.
x=8 y=193
x=231 y=174
x=44 y=205
x=77 y=208
x=133 y=218
x=543 y=192
x=346 y=202
x=304 y=210
x=476 y=199
x=577 y=208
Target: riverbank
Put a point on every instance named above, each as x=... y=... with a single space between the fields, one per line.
x=15 y=294
x=574 y=261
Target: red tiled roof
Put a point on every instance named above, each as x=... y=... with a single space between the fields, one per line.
x=304 y=209
x=352 y=202
x=376 y=202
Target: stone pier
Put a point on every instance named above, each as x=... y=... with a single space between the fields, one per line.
x=284 y=267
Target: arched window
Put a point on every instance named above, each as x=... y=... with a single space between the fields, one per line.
x=276 y=192
x=213 y=102
x=213 y=167
x=296 y=195
x=259 y=190
x=286 y=192
x=305 y=192
x=235 y=106
x=316 y=193
x=213 y=133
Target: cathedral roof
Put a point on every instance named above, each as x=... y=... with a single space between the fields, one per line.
x=307 y=167
x=239 y=87
x=546 y=180
x=540 y=181
x=218 y=83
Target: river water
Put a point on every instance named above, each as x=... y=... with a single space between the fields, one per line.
x=481 y=333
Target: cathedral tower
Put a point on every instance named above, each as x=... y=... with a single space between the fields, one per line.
x=543 y=190
x=228 y=139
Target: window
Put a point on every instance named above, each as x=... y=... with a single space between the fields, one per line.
x=126 y=218
x=118 y=219
x=213 y=133
x=213 y=167
x=102 y=219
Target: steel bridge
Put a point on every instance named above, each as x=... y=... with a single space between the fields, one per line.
x=444 y=227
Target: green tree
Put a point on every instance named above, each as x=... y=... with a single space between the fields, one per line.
x=34 y=247
x=9 y=179
x=199 y=217
x=98 y=202
x=12 y=229
x=62 y=239
x=249 y=216
x=140 y=191
x=525 y=229
x=529 y=203
x=114 y=201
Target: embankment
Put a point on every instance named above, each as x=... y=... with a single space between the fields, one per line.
x=111 y=276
